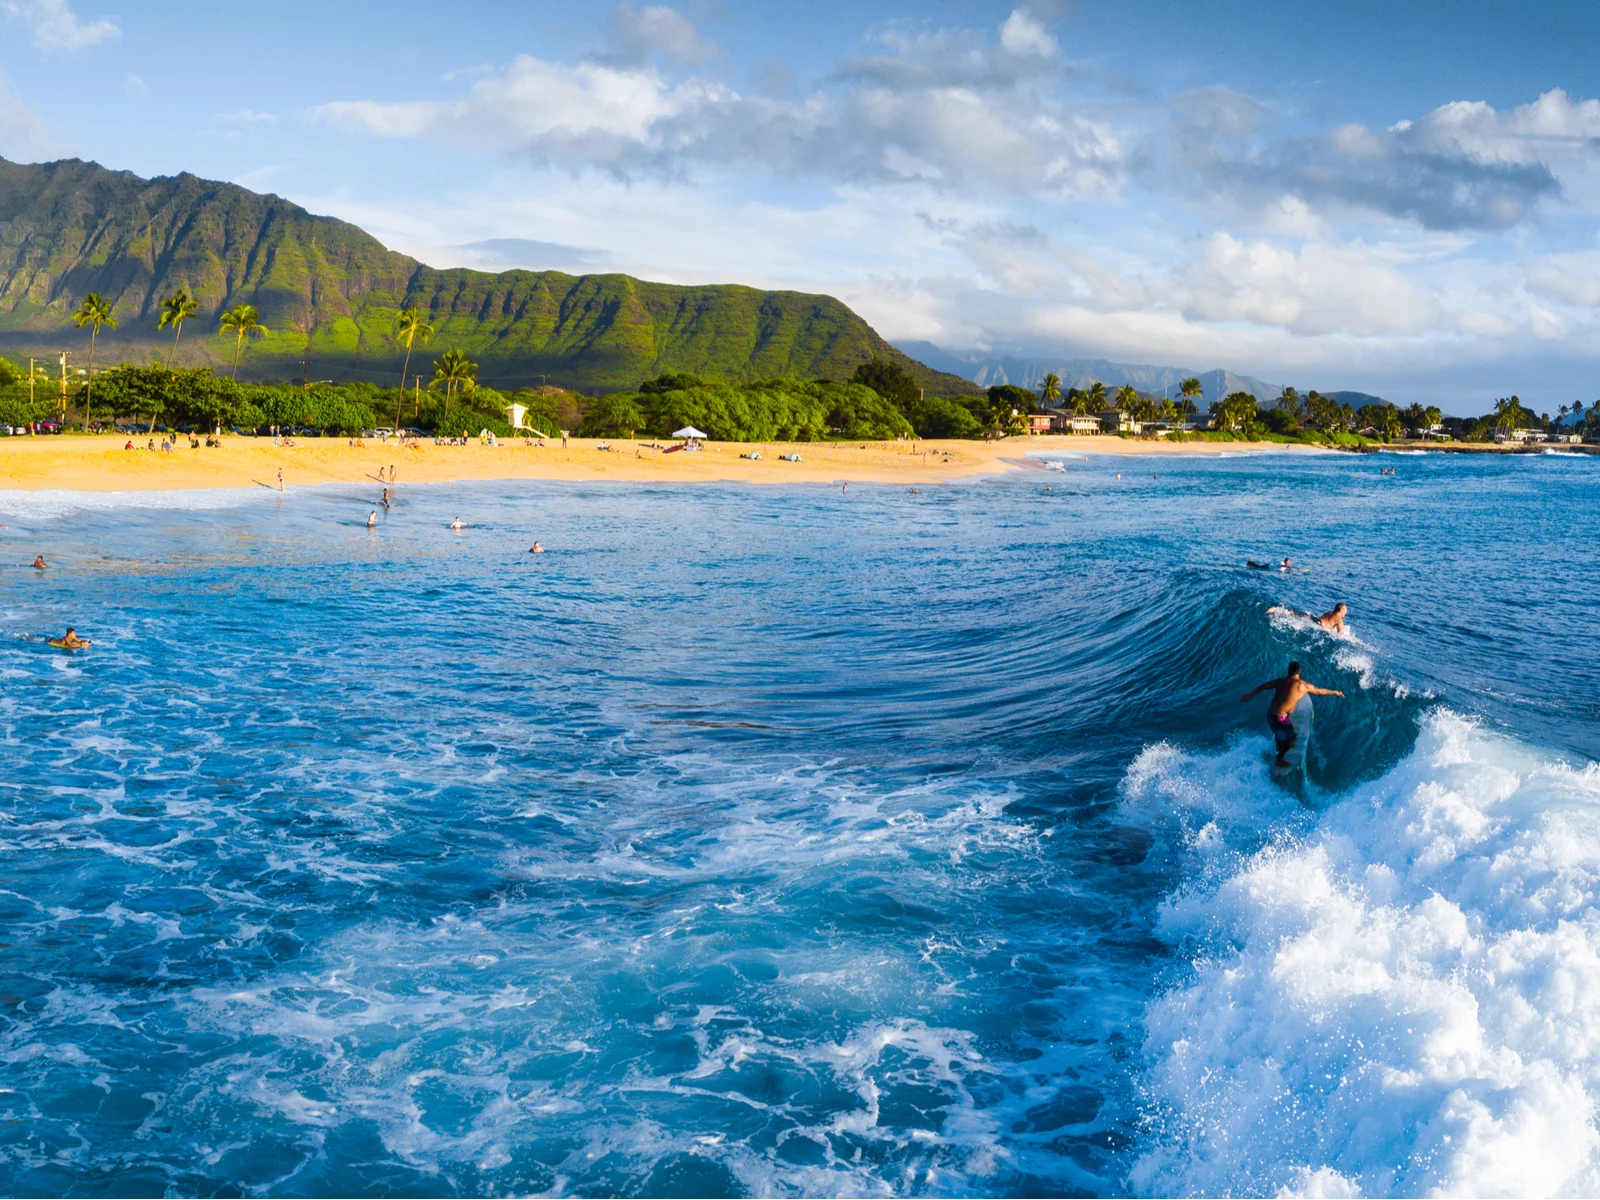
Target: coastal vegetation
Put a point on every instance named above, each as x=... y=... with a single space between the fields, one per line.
x=881 y=401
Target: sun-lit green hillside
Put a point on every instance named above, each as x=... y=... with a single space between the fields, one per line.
x=329 y=292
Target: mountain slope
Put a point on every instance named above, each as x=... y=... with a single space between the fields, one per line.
x=329 y=292
x=987 y=370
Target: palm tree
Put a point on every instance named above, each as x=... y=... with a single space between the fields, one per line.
x=93 y=312
x=1191 y=389
x=242 y=322
x=175 y=310
x=1096 y=396
x=1050 y=388
x=453 y=368
x=1417 y=417
x=407 y=329
x=1127 y=397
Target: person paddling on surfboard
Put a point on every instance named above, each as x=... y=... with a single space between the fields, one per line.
x=1286 y=693
x=70 y=641
x=1332 y=620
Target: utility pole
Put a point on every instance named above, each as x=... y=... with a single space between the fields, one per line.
x=417 y=393
x=305 y=365
x=63 y=387
x=30 y=381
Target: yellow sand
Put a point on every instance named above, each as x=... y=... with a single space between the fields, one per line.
x=101 y=464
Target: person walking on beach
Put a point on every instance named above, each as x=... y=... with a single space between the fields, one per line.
x=280 y=479
x=1286 y=693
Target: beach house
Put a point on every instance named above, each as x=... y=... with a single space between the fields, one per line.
x=1061 y=420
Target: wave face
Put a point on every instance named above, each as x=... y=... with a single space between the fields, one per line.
x=803 y=842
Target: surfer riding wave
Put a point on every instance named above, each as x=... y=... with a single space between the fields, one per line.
x=1286 y=693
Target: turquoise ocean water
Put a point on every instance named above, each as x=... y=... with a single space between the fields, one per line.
x=797 y=842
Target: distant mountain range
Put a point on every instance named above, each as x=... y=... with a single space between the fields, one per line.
x=329 y=292
x=1029 y=371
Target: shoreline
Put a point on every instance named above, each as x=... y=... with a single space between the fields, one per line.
x=99 y=463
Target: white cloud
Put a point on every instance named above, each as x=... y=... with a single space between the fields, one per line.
x=56 y=27
x=1021 y=34
x=942 y=109
x=1321 y=288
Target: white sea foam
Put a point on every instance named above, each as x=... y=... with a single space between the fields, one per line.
x=1399 y=997
x=54 y=504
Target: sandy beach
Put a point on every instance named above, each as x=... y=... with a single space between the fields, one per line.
x=102 y=464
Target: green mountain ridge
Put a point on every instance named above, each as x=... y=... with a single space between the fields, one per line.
x=329 y=292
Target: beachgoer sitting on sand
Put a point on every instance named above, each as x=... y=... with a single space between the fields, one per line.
x=39 y=563
x=71 y=641
x=129 y=446
x=1286 y=693
x=1332 y=620
x=536 y=549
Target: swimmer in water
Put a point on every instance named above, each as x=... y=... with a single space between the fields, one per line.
x=1286 y=693
x=1332 y=620
x=386 y=497
x=536 y=549
x=71 y=641
x=372 y=519
x=39 y=563
x=456 y=525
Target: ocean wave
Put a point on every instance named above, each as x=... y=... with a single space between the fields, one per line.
x=1399 y=997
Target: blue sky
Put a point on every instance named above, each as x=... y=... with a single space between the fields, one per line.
x=1393 y=197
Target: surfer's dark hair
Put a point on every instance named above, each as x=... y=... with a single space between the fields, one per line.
x=1294 y=668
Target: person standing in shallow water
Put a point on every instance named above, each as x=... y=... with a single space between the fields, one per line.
x=1286 y=693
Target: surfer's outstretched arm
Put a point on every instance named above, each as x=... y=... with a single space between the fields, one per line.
x=1271 y=683
x=1316 y=691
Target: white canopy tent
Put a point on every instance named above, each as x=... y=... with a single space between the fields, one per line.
x=689 y=431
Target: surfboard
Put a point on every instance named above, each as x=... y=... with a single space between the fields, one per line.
x=1303 y=718
x=61 y=645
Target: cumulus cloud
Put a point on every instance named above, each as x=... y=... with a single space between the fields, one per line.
x=1318 y=289
x=940 y=108
x=56 y=27
x=1464 y=166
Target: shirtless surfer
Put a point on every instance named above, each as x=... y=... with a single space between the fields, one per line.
x=71 y=641
x=1286 y=693
x=1332 y=620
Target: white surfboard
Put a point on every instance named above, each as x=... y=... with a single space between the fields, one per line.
x=1303 y=718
